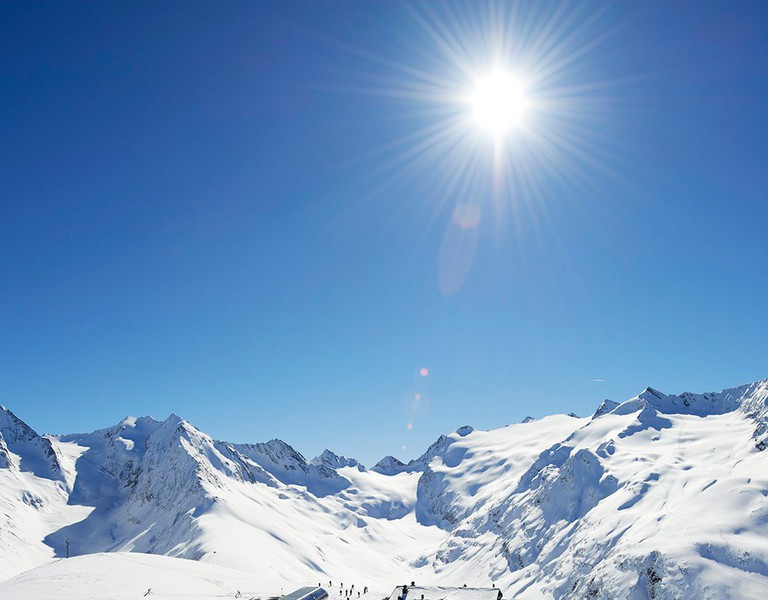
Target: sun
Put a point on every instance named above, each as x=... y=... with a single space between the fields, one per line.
x=498 y=102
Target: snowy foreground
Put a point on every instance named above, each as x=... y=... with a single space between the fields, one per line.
x=657 y=497
x=124 y=576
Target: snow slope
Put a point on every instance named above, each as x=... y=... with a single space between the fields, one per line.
x=661 y=496
x=36 y=475
x=127 y=576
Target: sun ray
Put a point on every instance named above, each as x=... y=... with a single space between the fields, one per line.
x=498 y=107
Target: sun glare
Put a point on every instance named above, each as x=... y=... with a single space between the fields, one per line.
x=498 y=102
x=501 y=102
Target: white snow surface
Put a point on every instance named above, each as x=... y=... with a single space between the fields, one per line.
x=127 y=576
x=661 y=496
x=445 y=593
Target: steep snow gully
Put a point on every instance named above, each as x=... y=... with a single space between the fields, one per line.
x=661 y=496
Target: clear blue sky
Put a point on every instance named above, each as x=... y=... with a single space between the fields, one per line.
x=222 y=211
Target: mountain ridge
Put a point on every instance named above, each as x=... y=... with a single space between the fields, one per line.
x=560 y=506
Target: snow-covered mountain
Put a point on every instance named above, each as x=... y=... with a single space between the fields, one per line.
x=661 y=496
x=21 y=449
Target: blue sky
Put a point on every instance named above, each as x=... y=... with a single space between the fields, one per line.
x=222 y=211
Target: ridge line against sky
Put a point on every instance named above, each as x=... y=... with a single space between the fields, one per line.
x=419 y=452
x=272 y=218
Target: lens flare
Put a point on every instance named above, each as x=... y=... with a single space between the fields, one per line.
x=467 y=215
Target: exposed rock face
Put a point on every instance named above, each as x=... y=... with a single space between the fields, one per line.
x=289 y=467
x=389 y=465
x=36 y=454
x=606 y=407
x=334 y=461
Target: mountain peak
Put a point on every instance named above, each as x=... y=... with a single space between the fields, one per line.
x=173 y=419
x=35 y=453
x=604 y=408
x=131 y=421
x=651 y=394
x=389 y=465
x=289 y=466
x=333 y=461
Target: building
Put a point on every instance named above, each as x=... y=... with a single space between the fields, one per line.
x=418 y=592
x=307 y=593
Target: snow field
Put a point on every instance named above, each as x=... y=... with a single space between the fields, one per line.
x=657 y=497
